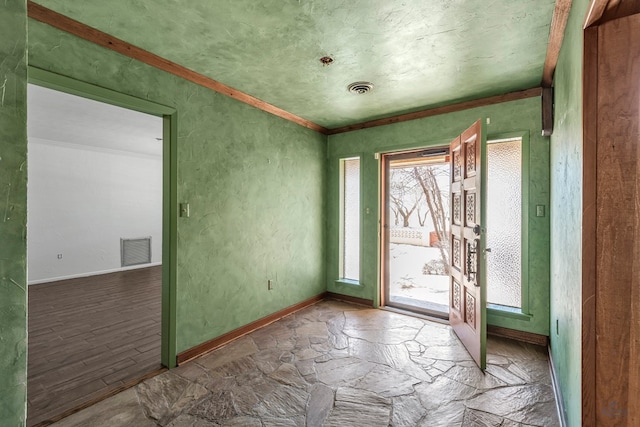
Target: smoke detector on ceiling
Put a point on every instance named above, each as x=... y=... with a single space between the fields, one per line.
x=360 y=88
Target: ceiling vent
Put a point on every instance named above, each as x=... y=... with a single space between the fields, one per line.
x=360 y=87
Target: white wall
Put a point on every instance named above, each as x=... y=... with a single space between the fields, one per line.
x=81 y=200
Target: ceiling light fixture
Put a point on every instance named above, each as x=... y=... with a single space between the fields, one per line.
x=360 y=88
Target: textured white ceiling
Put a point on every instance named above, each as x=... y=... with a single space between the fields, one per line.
x=70 y=119
x=418 y=53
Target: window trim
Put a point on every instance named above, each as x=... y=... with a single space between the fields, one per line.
x=496 y=310
x=341 y=178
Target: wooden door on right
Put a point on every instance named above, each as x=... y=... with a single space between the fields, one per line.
x=467 y=296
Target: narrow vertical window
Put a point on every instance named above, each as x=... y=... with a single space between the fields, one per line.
x=350 y=219
x=504 y=222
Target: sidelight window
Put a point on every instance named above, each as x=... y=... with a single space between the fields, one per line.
x=350 y=219
x=504 y=222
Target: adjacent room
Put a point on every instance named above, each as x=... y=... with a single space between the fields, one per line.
x=94 y=249
x=305 y=213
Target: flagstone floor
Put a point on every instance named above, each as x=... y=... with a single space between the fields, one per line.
x=336 y=364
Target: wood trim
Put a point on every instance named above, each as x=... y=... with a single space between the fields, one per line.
x=407 y=312
x=557 y=391
x=601 y=11
x=619 y=9
x=556 y=34
x=528 y=337
x=452 y=108
x=100 y=398
x=348 y=298
x=76 y=28
x=383 y=229
x=595 y=12
x=547 y=111
x=208 y=346
x=589 y=197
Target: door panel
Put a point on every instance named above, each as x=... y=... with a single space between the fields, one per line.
x=467 y=312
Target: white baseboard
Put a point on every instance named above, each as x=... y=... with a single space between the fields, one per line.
x=92 y=273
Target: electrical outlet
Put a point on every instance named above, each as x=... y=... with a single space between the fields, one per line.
x=270 y=284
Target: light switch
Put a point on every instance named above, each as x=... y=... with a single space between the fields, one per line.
x=540 y=210
x=184 y=210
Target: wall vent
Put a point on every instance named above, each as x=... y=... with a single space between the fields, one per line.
x=135 y=251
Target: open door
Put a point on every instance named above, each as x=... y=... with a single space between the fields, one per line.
x=468 y=291
x=415 y=214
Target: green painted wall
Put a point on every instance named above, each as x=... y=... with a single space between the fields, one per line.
x=255 y=184
x=566 y=215
x=13 y=213
x=516 y=116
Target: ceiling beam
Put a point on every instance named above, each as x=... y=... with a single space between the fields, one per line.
x=71 y=26
x=452 y=108
x=556 y=34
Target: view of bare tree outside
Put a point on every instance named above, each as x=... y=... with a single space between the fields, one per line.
x=437 y=205
x=418 y=213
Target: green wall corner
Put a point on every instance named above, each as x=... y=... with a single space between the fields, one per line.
x=566 y=216
x=13 y=213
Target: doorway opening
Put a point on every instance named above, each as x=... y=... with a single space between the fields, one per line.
x=416 y=239
x=98 y=241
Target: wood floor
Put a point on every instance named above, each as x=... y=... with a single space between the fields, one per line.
x=89 y=336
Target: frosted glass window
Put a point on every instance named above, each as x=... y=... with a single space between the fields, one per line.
x=504 y=219
x=350 y=244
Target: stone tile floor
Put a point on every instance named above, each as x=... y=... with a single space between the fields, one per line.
x=335 y=364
